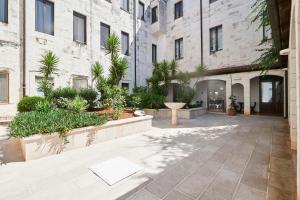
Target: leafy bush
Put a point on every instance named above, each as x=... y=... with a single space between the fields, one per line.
x=56 y=120
x=115 y=99
x=90 y=95
x=28 y=104
x=185 y=94
x=151 y=101
x=44 y=106
x=77 y=105
x=67 y=92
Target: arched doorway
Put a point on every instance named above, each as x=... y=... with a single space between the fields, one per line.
x=271 y=95
x=238 y=92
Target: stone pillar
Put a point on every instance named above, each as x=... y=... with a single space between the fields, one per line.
x=228 y=93
x=247 y=97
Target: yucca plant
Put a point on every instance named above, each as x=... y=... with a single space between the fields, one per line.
x=118 y=65
x=48 y=67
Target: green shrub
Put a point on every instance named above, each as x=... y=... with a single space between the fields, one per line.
x=90 y=95
x=185 y=94
x=28 y=104
x=44 y=106
x=77 y=105
x=115 y=99
x=67 y=92
x=151 y=101
x=56 y=120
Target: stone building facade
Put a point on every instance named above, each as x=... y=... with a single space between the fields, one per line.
x=215 y=33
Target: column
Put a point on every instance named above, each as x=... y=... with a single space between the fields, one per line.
x=247 y=97
x=228 y=93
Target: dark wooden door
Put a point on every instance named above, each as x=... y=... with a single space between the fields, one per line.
x=271 y=95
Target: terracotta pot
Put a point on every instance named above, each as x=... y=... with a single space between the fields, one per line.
x=231 y=112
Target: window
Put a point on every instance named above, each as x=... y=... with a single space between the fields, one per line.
x=104 y=33
x=4 y=11
x=4 y=87
x=124 y=5
x=125 y=43
x=80 y=82
x=154 y=53
x=39 y=91
x=211 y=1
x=125 y=86
x=141 y=11
x=44 y=16
x=79 y=28
x=179 y=48
x=216 y=39
x=154 y=14
x=267 y=33
x=178 y=10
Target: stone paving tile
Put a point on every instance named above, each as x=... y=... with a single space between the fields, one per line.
x=286 y=184
x=143 y=195
x=223 y=186
x=197 y=182
x=167 y=181
x=175 y=195
x=278 y=194
x=245 y=192
x=283 y=167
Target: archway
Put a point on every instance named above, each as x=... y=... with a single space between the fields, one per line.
x=238 y=92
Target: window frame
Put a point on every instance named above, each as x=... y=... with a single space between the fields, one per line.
x=127 y=87
x=80 y=78
x=143 y=16
x=212 y=1
x=77 y=14
x=5 y=12
x=154 y=18
x=106 y=26
x=215 y=28
x=127 y=6
x=52 y=13
x=179 y=41
x=8 y=87
x=127 y=34
x=154 y=55
x=180 y=14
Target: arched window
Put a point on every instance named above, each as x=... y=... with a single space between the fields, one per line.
x=4 y=87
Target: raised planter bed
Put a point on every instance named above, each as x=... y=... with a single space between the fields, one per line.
x=39 y=146
x=191 y=113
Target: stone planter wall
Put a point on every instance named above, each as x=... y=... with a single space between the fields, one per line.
x=38 y=146
x=182 y=113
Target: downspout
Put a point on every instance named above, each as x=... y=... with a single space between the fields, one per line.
x=134 y=36
x=23 y=49
x=201 y=30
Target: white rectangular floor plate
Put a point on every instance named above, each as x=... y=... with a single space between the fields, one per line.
x=115 y=170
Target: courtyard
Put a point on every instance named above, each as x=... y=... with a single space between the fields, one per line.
x=212 y=157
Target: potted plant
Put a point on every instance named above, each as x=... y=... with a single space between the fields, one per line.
x=232 y=110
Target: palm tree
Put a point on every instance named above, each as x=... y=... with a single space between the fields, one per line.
x=48 y=67
x=118 y=65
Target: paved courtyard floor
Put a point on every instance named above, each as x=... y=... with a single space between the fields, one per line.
x=214 y=157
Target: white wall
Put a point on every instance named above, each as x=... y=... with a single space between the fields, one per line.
x=238 y=92
x=10 y=56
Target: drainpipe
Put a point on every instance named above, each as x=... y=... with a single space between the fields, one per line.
x=23 y=49
x=201 y=30
x=134 y=36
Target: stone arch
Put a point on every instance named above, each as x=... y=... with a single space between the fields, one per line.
x=238 y=91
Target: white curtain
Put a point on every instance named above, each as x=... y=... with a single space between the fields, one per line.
x=79 y=29
x=3 y=87
x=220 y=38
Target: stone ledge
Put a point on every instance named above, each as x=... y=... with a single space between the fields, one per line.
x=191 y=113
x=38 y=146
